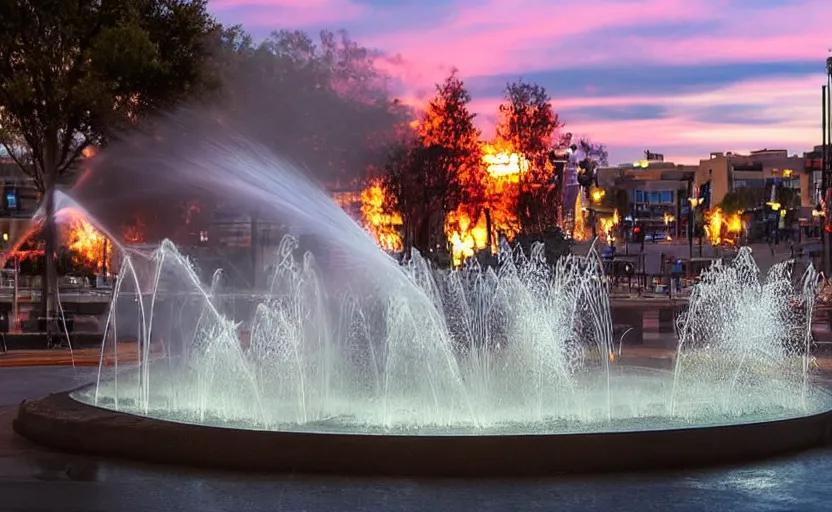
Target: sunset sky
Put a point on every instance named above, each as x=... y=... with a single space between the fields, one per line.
x=679 y=77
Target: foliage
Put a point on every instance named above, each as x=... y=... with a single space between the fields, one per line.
x=557 y=244
x=321 y=103
x=438 y=170
x=528 y=124
x=420 y=183
x=748 y=198
x=526 y=119
x=71 y=72
x=595 y=151
x=74 y=71
x=744 y=198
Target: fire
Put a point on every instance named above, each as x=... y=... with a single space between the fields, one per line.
x=579 y=227
x=89 y=245
x=500 y=185
x=721 y=228
x=504 y=164
x=609 y=225
x=134 y=233
x=383 y=226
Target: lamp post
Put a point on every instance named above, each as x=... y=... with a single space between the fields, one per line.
x=774 y=235
x=826 y=117
x=694 y=202
x=817 y=217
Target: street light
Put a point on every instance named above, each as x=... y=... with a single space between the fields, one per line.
x=694 y=202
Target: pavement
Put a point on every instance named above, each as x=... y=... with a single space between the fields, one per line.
x=127 y=354
x=37 y=479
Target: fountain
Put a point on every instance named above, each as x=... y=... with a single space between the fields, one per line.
x=347 y=351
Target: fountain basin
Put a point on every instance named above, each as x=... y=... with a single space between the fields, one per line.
x=62 y=422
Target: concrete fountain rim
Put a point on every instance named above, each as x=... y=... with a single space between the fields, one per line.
x=61 y=422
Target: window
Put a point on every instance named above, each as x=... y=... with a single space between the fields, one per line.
x=11 y=200
x=655 y=197
x=203 y=236
x=667 y=197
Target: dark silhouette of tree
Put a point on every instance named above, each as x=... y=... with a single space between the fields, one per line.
x=595 y=151
x=441 y=168
x=529 y=124
x=744 y=198
x=420 y=181
x=322 y=103
x=72 y=71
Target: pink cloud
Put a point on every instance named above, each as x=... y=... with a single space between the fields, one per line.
x=796 y=99
x=516 y=37
x=510 y=36
x=277 y=14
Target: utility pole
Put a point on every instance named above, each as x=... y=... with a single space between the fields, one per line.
x=826 y=156
x=690 y=217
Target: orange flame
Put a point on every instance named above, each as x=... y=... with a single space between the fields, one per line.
x=721 y=228
x=383 y=226
x=89 y=245
x=503 y=169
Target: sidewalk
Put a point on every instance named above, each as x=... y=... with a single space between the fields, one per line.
x=127 y=354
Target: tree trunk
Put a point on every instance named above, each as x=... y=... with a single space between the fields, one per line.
x=49 y=279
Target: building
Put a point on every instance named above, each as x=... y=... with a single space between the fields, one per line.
x=20 y=200
x=722 y=173
x=657 y=192
x=813 y=165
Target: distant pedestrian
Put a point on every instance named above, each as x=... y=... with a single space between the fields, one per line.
x=677 y=275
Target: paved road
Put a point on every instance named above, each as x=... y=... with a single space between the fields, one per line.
x=35 y=479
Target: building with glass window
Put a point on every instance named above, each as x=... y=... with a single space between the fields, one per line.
x=19 y=202
x=657 y=194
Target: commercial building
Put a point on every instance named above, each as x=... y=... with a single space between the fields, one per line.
x=19 y=201
x=657 y=192
x=722 y=173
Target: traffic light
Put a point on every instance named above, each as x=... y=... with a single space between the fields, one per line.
x=638 y=234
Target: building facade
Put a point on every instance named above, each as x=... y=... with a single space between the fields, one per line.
x=657 y=193
x=722 y=173
x=19 y=203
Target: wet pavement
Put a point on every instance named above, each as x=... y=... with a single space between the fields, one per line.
x=37 y=479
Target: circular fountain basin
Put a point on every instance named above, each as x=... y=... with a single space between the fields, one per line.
x=343 y=445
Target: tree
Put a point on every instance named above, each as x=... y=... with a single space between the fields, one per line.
x=596 y=151
x=441 y=168
x=322 y=103
x=528 y=123
x=743 y=198
x=73 y=71
x=420 y=182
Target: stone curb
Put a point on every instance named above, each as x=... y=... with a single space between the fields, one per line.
x=60 y=422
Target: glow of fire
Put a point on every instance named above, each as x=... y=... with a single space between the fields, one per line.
x=87 y=243
x=384 y=227
x=610 y=224
x=504 y=164
x=465 y=235
x=501 y=179
x=720 y=228
x=579 y=228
